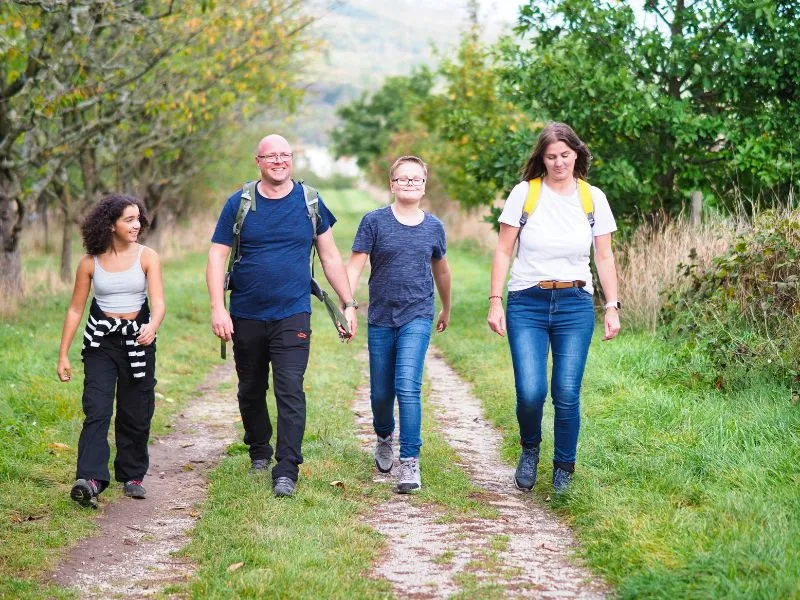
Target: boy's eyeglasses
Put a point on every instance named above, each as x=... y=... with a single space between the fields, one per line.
x=406 y=180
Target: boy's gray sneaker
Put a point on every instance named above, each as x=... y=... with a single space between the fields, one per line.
x=408 y=479
x=259 y=465
x=283 y=487
x=384 y=454
x=561 y=480
x=525 y=475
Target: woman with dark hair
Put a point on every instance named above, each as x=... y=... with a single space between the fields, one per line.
x=118 y=345
x=556 y=216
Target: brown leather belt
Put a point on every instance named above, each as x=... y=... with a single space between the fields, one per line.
x=560 y=285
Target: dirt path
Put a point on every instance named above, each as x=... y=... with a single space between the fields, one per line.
x=525 y=552
x=131 y=554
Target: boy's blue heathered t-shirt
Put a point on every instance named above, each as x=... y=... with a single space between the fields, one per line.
x=273 y=279
x=401 y=280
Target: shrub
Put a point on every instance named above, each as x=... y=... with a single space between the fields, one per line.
x=743 y=310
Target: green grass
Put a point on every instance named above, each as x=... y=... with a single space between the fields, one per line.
x=37 y=518
x=681 y=490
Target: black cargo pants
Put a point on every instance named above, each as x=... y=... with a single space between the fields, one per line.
x=285 y=345
x=106 y=369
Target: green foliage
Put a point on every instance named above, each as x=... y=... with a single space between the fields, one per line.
x=743 y=310
x=697 y=97
x=701 y=97
x=370 y=121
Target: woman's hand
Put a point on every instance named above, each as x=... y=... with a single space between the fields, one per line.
x=443 y=321
x=64 y=369
x=611 y=323
x=497 y=317
x=146 y=334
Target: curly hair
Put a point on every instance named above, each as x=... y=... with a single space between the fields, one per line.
x=552 y=133
x=96 y=228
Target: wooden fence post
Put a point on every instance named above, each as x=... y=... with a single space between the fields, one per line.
x=697 y=208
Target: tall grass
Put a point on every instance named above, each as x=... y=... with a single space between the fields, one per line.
x=647 y=262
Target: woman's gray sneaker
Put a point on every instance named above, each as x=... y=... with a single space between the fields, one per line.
x=561 y=480
x=525 y=475
x=384 y=454
x=408 y=480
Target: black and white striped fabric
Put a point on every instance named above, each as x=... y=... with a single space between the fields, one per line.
x=99 y=325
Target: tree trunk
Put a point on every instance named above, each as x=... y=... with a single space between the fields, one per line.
x=65 y=273
x=67 y=210
x=45 y=225
x=12 y=213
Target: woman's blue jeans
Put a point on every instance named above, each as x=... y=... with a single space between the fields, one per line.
x=538 y=319
x=396 y=359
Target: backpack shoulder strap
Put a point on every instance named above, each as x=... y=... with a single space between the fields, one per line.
x=311 y=196
x=534 y=191
x=246 y=204
x=585 y=193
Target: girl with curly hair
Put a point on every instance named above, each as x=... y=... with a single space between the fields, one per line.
x=118 y=345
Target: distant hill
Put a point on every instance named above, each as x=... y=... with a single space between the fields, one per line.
x=368 y=40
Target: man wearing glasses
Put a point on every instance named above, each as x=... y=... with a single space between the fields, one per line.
x=269 y=319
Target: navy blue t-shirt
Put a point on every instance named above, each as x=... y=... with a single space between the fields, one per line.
x=273 y=279
x=401 y=280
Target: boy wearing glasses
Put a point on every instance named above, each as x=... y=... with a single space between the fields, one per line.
x=406 y=249
x=270 y=312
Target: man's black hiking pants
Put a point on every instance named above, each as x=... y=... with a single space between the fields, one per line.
x=284 y=344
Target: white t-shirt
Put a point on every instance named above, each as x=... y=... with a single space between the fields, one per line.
x=556 y=240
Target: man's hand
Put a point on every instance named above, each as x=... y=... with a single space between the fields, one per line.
x=221 y=324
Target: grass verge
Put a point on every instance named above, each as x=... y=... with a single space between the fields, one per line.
x=681 y=490
x=40 y=420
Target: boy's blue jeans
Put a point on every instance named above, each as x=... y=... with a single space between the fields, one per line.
x=396 y=360
x=537 y=319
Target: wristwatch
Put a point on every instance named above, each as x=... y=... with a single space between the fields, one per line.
x=353 y=304
x=617 y=305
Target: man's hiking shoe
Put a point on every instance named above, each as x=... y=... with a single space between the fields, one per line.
x=85 y=492
x=561 y=480
x=134 y=489
x=384 y=454
x=525 y=475
x=259 y=465
x=283 y=487
x=408 y=480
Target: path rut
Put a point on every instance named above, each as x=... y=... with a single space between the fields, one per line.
x=525 y=552
x=131 y=555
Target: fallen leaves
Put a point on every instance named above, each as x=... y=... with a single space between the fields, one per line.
x=235 y=567
x=25 y=518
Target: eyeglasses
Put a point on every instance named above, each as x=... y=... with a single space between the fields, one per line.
x=275 y=158
x=417 y=181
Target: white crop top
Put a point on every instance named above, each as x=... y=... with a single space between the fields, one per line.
x=122 y=291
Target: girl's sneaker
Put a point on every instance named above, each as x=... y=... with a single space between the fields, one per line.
x=85 y=492
x=134 y=489
x=408 y=480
